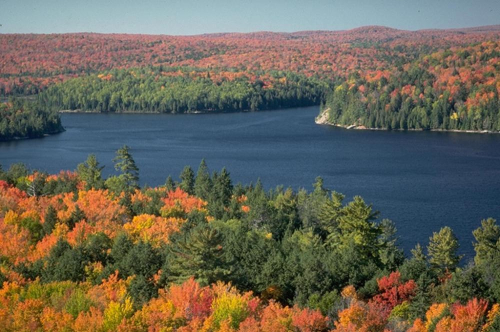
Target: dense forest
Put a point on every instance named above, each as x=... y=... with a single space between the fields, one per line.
x=453 y=89
x=27 y=119
x=32 y=62
x=184 y=89
x=83 y=253
x=376 y=77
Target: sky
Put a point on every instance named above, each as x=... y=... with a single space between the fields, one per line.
x=189 y=17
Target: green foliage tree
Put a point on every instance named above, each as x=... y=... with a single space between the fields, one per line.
x=259 y=207
x=187 y=180
x=116 y=184
x=124 y=162
x=487 y=245
x=75 y=217
x=186 y=93
x=142 y=259
x=356 y=226
x=249 y=250
x=27 y=119
x=442 y=249
x=90 y=172
x=466 y=284
x=220 y=196
x=142 y=290
x=170 y=184
x=50 y=220
x=16 y=175
x=286 y=216
x=64 y=263
x=203 y=182
x=198 y=253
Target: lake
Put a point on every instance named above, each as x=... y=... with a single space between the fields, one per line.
x=420 y=180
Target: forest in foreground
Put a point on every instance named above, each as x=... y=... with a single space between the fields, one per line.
x=79 y=252
x=370 y=77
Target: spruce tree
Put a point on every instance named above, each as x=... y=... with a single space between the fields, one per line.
x=187 y=180
x=50 y=220
x=203 y=183
x=170 y=184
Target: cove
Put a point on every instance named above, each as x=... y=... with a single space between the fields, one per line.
x=420 y=180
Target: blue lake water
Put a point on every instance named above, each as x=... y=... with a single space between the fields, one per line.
x=420 y=180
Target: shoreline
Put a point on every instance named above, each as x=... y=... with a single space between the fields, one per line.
x=322 y=119
x=17 y=138
x=79 y=111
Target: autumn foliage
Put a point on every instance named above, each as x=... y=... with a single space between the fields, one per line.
x=95 y=260
x=30 y=63
x=65 y=306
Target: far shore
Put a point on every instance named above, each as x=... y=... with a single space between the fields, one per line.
x=209 y=111
x=322 y=119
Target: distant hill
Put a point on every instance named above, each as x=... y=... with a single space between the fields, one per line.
x=31 y=62
x=391 y=78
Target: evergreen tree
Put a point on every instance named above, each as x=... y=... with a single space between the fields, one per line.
x=487 y=246
x=142 y=259
x=260 y=210
x=75 y=217
x=50 y=220
x=142 y=290
x=124 y=162
x=90 y=172
x=329 y=214
x=356 y=227
x=187 y=180
x=220 y=195
x=203 y=183
x=442 y=249
x=199 y=253
x=64 y=263
x=170 y=184
x=286 y=217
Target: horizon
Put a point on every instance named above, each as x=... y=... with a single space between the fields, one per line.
x=191 y=18
x=253 y=32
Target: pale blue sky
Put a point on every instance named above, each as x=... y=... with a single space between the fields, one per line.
x=186 y=17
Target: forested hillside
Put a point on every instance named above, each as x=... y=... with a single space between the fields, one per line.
x=84 y=253
x=25 y=119
x=376 y=76
x=184 y=89
x=456 y=88
x=32 y=62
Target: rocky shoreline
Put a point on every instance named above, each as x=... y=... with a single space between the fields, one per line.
x=322 y=119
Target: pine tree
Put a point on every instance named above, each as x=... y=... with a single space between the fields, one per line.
x=90 y=172
x=329 y=213
x=125 y=163
x=357 y=227
x=198 y=253
x=442 y=249
x=487 y=246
